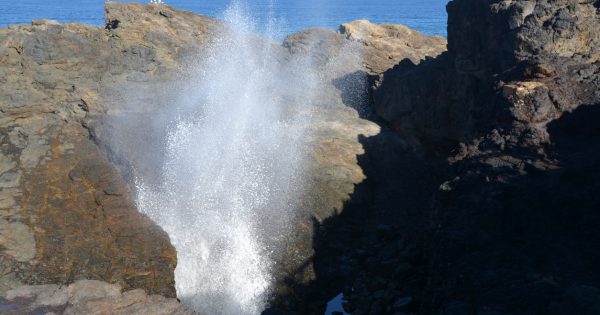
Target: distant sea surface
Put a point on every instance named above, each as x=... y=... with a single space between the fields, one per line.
x=427 y=16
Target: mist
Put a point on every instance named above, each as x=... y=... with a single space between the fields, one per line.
x=229 y=168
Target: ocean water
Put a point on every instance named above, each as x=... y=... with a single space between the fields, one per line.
x=427 y=16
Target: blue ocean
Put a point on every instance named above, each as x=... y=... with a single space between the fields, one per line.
x=427 y=16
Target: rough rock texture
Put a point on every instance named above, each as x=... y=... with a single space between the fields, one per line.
x=514 y=50
x=386 y=44
x=515 y=230
x=70 y=92
x=347 y=57
x=64 y=203
x=87 y=297
x=475 y=193
x=510 y=116
x=381 y=46
x=360 y=190
x=67 y=212
x=339 y=123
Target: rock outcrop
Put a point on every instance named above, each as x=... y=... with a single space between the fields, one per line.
x=515 y=228
x=87 y=297
x=79 y=106
x=512 y=51
x=345 y=58
x=511 y=113
x=67 y=212
x=387 y=44
x=469 y=187
x=380 y=46
x=67 y=207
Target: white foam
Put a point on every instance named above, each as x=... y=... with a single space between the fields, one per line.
x=234 y=168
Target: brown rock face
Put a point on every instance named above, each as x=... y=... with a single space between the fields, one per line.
x=67 y=213
x=387 y=44
x=380 y=46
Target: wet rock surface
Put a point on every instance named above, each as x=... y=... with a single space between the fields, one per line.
x=343 y=130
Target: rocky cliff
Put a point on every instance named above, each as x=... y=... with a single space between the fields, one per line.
x=468 y=187
x=510 y=112
x=68 y=209
x=472 y=88
x=514 y=228
x=79 y=107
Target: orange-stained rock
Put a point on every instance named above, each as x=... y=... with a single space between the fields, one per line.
x=66 y=210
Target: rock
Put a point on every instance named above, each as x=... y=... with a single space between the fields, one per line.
x=44 y=22
x=387 y=44
x=492 y=168
x=49 y=295
x=68 y=206
x=381 y=46
x=337 y=127
x=17 y=240
x=379 y=294
x=88 y=297
x=498 y=105
x=68 y=212
x=321 y=44
x=519 y=46
x=349 y=306
x=271 y=311
x=512 y=111
x=377 y=308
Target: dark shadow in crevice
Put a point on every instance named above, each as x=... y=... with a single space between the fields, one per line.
x=385 y=218
x=354 y=89
x=526 y=245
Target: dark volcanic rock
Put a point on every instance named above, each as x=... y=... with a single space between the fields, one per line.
x=478 y=194
x=513 y=106
x=514 y=67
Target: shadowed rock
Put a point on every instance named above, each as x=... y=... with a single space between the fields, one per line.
x=510 y=108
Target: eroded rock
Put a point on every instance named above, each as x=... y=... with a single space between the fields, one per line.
x=387 y=44
x=87 y=297
x=381 y=46
x=66 y=193
x=513 y=107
